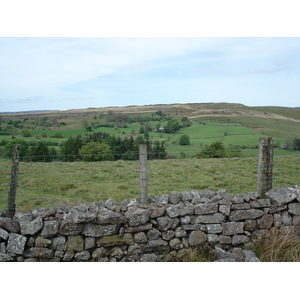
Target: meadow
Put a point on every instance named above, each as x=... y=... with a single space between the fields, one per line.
x=234 y=124
x=61 y=183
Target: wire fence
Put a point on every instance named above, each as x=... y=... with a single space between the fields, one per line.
x=45 y=181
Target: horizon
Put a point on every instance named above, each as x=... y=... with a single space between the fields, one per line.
x=158 y=104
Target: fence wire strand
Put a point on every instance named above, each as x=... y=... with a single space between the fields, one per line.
x=57 y=182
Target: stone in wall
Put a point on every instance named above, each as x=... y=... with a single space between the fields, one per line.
x=281 y=196
x=214 y=228
x=175 y=197
x=265 y=221
x=89 y=243
x=5 y=257
x=83 y=213
x=69 y=227
x=294 y=209
x=212 y=238
x=179 y=210
x=4 y=234
x=42 y=242
x=165 y=223
x=240 y=239
x=158 y=245
x=16 y=243
x=75 y=243
x=137 y=216
x=162 y=199
x=115 y=240
x=250 y=225
x=225 y=209
x=168 y=235
x=50 y=228
x=197 y=238
x=82 y=256
x=232 y=228
x=239 y=215
x=153 y=234
x=140 y=228
x=29 y=224
x=186 y=196
x=157 y=211
x=9 y=225
x=107 y=216
x=97 y=230
x=210 y=219
x=206 y=208
x=58 y=243
x=260 y=203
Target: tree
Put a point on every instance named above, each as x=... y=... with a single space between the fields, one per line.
x=57 y=135
x=95 y=151
x=26 y=133
x=24 y=147
x=172 y=126
x=159 y=150
x=184 y=140
x=142 y=129
x=185 y=122
x=146 y=136
x=72 y=147
x=214 y=150
x=296 y=144
x=40 y=152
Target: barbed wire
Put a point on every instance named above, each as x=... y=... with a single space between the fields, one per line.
x=56 y=181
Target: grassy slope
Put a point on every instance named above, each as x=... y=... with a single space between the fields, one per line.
x=59 y=183
x=251 y=123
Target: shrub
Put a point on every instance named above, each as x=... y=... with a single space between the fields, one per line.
x=214 y=150
x=184 y=140
x=57 y=135
x=26 y=133
x=95 y=151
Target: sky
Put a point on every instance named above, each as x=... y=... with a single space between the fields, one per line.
x=57 y=70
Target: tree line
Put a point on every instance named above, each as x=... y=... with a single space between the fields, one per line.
x=92 y=147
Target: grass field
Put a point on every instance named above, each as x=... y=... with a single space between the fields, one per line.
x=59 y=183
x=277 y=128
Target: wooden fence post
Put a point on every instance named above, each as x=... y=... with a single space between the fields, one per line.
x=11 y=209
x=265 y=166
x=143 y=173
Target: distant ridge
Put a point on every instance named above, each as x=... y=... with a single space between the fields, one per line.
x=26 y=112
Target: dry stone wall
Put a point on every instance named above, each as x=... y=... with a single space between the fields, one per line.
x=132 y=231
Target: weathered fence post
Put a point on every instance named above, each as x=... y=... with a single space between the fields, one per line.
x=11 y=209
x=265 y=166
x=143 y=172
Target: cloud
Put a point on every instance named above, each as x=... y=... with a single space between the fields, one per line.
x=30 y=99
x=278 y=67
x=103 y=70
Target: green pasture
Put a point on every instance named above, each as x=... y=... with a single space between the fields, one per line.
x=199 y=131
x=271 y=127
x=60 y=183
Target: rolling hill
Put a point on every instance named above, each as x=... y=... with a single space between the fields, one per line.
x=234 y=124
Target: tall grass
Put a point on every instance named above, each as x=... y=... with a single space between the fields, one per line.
x=193 y=254
x=278 y=245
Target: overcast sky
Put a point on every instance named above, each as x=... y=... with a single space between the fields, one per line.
x=58 y=73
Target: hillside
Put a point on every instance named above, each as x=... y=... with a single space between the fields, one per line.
x=233 y=124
